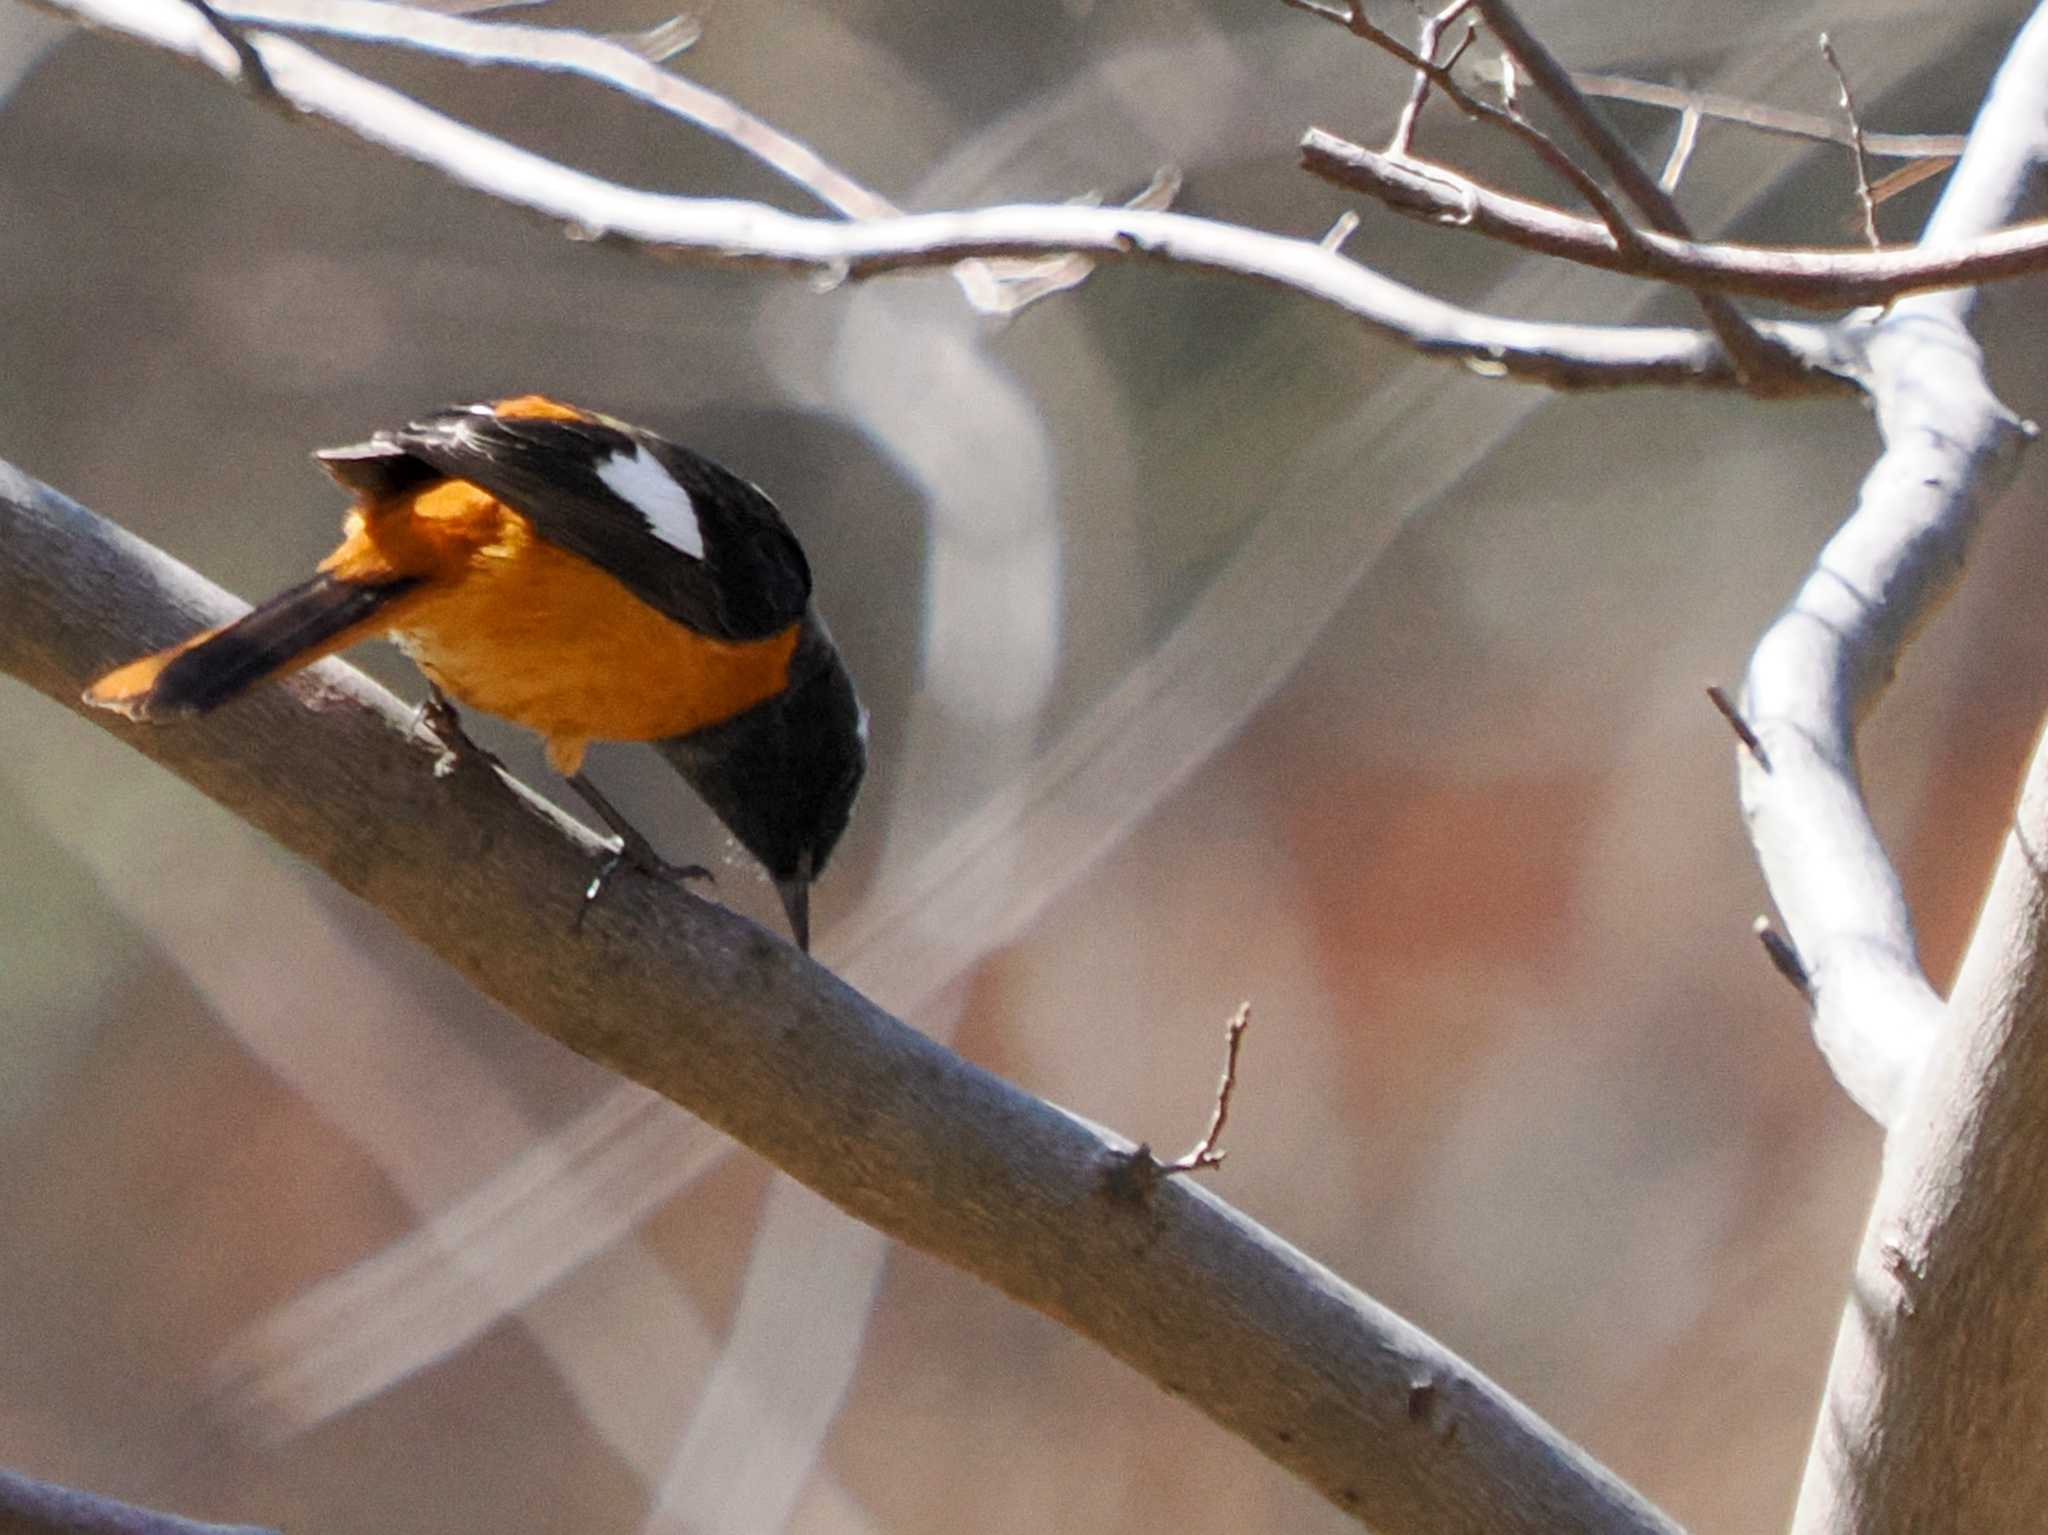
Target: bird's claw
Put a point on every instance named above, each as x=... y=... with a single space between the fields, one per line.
x=458 y=749
x=636 y=854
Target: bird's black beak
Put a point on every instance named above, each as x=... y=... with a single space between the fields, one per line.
x=796 y=901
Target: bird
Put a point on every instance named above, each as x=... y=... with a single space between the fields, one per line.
x=591 y=581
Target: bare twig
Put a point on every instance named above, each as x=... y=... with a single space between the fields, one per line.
x=733 y=232
x=1906 y=177
x=1008 y=285
x=1682 y=145
x=1718 y=697
x=629 y=64
x=662 y=41
x=1815 y=279
x=1403 y=139
x=896 y=1129
x=254 y=77
x=1938 y=147
x=619 y=64
x=1761 y=362
x=1345 y=226
x=1783 y=957
x=1205 y=1152
x=1860 y=148
x=1354 y=20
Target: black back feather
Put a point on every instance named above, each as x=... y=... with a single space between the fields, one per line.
x=752 y=580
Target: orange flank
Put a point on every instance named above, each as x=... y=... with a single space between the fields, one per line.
x=510 y=624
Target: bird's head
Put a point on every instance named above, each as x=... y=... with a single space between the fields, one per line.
x=782 y=776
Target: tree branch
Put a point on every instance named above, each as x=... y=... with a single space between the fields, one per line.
x=991 y=287
x=1811 y=278
x=709 y=1010
x=732 y=232
x=1824 y=663
x=1756 y=359
x=1685 y=101
x=1937 y=1390
x=1353 y=18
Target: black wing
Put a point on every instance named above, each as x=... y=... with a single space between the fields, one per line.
x=706 y=548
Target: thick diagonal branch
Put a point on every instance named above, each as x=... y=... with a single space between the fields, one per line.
x=733 y=1024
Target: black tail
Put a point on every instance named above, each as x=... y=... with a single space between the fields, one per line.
x=291 y=629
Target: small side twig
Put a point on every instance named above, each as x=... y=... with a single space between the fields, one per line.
x=1682 y=145
x=1418 y=92
x=254 y=73
x=1718 y=697
x=1205 y=1152
x=1761 y=363
x=1135 y=1174
x=1783 y=957
x=1861 y=149
x=1548 y=150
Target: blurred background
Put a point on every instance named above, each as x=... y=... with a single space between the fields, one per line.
x=1216 y=650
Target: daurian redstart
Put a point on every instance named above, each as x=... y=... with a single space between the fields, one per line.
x=586 y=579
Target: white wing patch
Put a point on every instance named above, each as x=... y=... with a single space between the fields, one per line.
x=637 y=479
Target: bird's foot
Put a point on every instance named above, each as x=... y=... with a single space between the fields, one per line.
x=459 y=751
x=641 y=860
x=634 y=851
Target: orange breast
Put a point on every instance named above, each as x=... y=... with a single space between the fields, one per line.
x=510 y=624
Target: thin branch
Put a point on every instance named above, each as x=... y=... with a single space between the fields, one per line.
x=1859 y=146
x=732 y=232
x=1812 y=278
x=1756 y=357
x=630 y=65
x=700 y=1005
x=1906 y=177
x=253 y=77
x=617 y=65
x=1403 y=139
x=1718 y=697
x=663 y=41
x=1354 y=20
x=1007 y=286
x=1206 y=1152
x=1682 y=145
x=1937 y=147
x=1783 y=957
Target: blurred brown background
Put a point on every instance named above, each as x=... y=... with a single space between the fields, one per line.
x=1216 y=650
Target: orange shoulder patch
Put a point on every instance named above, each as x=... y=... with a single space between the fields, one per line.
x=537 y=407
